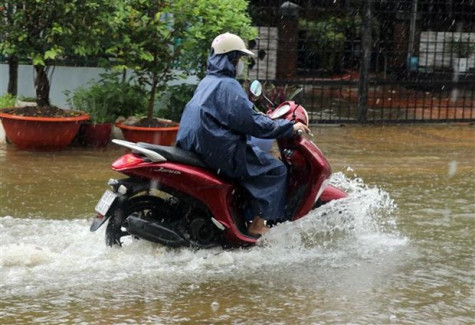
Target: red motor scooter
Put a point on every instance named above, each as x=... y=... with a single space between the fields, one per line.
x=171 y=197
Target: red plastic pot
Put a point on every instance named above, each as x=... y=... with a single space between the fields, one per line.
x=165 y=136
x=41 y=133
x=95 y=135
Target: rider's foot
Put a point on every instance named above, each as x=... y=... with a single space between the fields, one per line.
x=258 y=227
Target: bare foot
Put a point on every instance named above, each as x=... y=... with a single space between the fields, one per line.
x=257 y=227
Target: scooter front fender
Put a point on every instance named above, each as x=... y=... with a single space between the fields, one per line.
x=331 y=193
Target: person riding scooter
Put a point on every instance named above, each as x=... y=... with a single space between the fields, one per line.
x=216 y=125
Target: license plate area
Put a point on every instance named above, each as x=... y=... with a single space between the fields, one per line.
x=106 y=201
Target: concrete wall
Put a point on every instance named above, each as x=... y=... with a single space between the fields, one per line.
x=63 y=78
x=2 y=134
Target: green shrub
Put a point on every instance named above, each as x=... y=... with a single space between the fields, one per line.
x=109 y=98
x=7 y=100
x=173 y=101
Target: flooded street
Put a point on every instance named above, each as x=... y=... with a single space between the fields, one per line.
x=398 y=250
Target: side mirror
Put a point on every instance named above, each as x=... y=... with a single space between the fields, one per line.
x=256 y=88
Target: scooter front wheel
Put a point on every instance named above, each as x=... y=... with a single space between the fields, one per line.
x=144 y=207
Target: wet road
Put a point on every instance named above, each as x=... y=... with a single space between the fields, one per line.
x=398 y=250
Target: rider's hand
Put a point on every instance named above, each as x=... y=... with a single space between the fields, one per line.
x=300 y=128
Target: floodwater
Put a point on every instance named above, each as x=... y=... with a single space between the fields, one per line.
x=398 y=250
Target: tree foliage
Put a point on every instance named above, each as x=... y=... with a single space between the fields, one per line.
x=45 y=30
x=212 y=18
x=327 y=37
x=162 y=40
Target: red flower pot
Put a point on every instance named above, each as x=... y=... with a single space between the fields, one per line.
x=41 y=133
x=165 y=136
x=95 y=135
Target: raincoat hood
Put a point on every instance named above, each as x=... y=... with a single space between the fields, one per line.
x=219 y=64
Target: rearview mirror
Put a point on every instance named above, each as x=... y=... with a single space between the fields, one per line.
x=256 y=88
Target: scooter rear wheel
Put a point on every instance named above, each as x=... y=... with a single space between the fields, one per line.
x=144 y=206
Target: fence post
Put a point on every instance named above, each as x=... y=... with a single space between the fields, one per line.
x=365 y=61
x=288 y=40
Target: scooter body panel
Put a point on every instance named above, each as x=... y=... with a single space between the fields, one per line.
x=214 y=192
x=308 y=171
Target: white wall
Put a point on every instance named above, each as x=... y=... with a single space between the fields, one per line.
x=63 y=78
x=433 y=52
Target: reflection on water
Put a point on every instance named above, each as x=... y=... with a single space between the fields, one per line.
x=60 y=185
x=398 y=250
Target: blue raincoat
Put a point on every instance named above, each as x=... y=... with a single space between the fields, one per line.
x=216 y=124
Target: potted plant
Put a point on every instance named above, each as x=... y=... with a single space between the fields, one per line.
x=168 y=107
x=167 y=40
x=173 y=101
x=36 y=32
x=152 y=28
x=105 y=101
x=461 y=49
x=28 y=128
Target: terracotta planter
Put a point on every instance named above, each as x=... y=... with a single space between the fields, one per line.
x=95 y=135
x=41 y=133
x=165 y=136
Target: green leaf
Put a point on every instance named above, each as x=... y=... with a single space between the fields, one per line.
x=51 y=54
x=38 y=60
x=147 y=56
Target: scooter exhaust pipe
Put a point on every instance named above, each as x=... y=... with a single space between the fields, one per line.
x=154 y=232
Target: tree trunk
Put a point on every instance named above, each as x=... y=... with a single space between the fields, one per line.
x=42 y=86
x=13 y=75
x=152 y=97
x=365 y=62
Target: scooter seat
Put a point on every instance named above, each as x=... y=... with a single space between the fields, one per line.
x=175 y=154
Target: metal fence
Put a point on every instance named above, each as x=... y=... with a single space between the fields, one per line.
x=370 y=61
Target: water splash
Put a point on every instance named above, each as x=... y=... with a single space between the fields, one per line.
x=365 y=221
x=37 y=254
x=25 y=255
